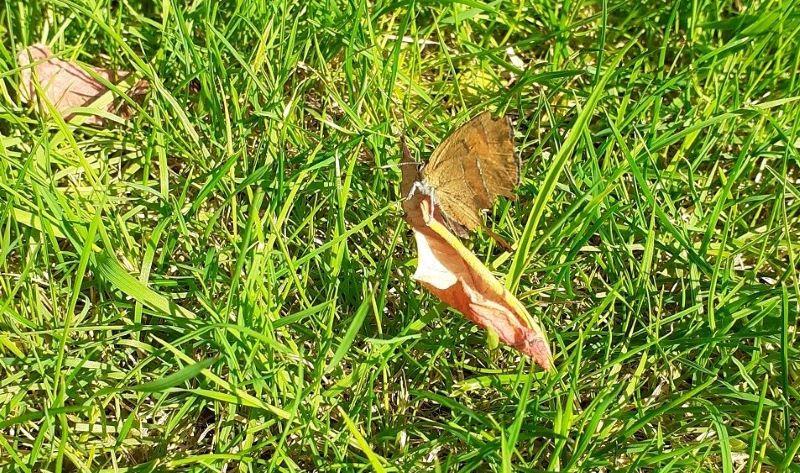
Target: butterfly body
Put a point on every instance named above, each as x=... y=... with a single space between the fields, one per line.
x=468 y=170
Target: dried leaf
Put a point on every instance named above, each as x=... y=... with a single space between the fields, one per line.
x=457 y=277
x=67 y=85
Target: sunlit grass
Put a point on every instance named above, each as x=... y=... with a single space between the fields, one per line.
x=224 y=282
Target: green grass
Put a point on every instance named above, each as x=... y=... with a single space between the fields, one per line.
x=223 y=283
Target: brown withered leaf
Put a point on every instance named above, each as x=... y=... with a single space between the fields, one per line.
x=458 y=278
x=67 y=85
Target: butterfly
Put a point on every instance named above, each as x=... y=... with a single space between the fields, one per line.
x=466 y=173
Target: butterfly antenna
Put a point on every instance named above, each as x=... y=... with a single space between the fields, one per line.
x=500 y=240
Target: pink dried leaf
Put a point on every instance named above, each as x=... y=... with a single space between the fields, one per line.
x=67 y=86
x=456 y=277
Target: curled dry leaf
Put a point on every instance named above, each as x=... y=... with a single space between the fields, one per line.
x=457 y=277
x=67 y=85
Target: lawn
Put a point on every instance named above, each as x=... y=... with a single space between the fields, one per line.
x=223 y=280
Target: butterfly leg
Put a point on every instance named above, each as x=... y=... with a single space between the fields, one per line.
x=417 y=186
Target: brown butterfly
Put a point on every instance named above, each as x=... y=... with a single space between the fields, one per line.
x=467 y=171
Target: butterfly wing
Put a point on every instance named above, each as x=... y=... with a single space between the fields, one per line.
x=471 y=167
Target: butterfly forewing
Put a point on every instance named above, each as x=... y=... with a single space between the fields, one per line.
x=471 y=167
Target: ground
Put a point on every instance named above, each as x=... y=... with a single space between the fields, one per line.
x=222 y=282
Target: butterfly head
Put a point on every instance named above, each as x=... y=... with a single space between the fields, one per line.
x=423 y=188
